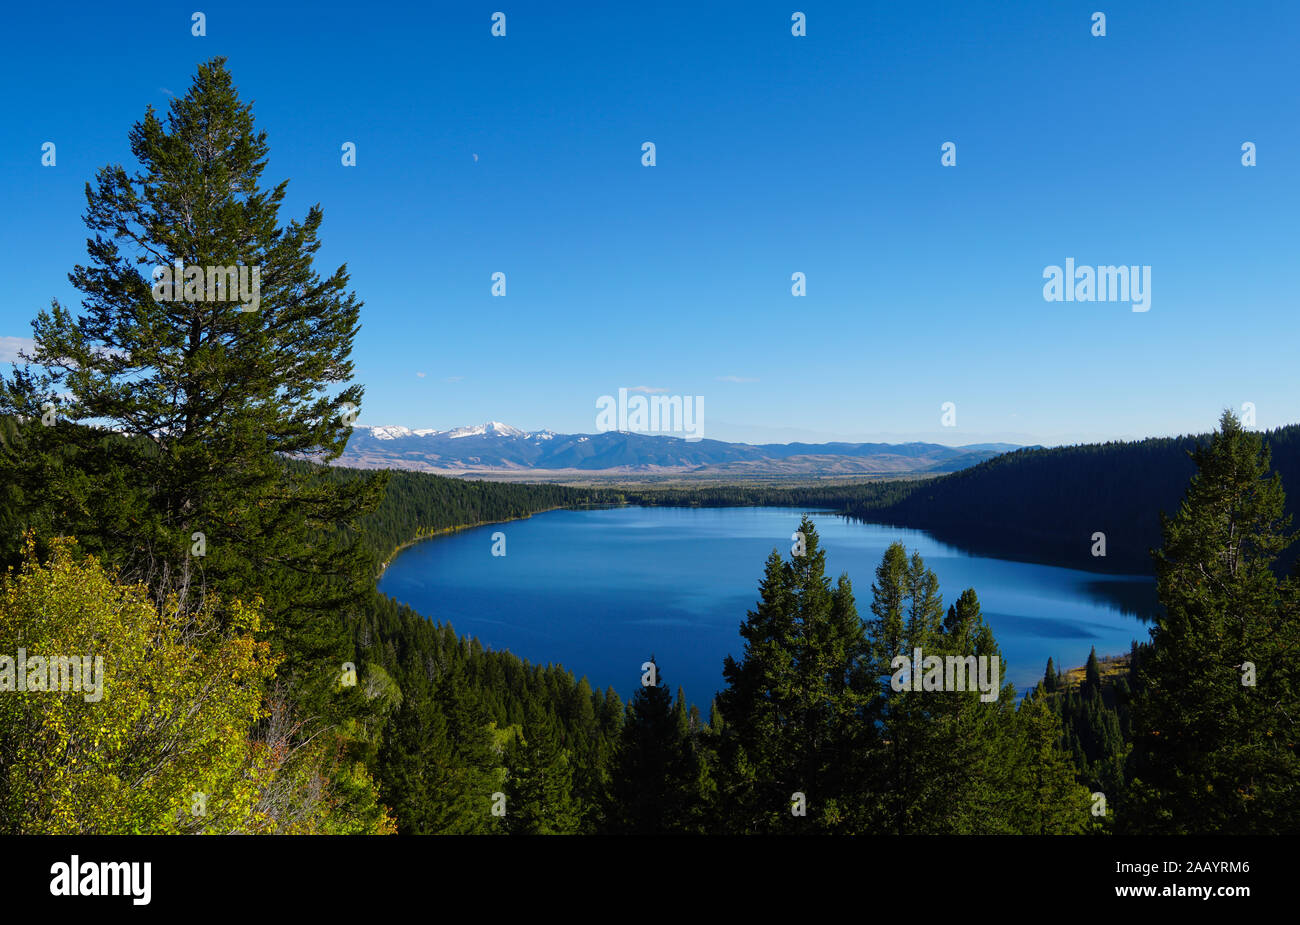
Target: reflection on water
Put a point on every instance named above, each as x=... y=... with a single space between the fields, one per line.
x=600 y=590
x=1132 y=597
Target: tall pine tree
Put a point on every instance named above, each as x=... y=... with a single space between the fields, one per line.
x=167 y=457
x=1218 y=717
x=796 y=713
x=655 y=782
x=539 y=779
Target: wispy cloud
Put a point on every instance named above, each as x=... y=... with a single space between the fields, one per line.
x=420 y=375
x=647 y=390
x=736 y=379
x=9 y=347
x=453 y=379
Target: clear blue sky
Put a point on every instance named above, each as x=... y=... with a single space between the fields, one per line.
x=775 y=154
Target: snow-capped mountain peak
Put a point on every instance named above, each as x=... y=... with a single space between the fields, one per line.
x=490 y=429
x=387 y=431
x=498 y=447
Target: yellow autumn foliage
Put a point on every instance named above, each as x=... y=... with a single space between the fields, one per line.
x=166 y=748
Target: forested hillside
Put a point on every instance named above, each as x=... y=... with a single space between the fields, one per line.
x=1046 y=504
x=417 y=505
x=452 y=712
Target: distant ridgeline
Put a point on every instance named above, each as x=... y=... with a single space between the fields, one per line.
x=1045 y=505
x=1039 y=505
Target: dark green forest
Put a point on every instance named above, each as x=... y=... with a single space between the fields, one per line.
x=416 y=505
x=1045 y=504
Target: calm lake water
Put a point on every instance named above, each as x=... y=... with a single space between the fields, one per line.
x=599 y=591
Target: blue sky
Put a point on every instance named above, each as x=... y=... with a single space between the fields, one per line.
x=775 y=154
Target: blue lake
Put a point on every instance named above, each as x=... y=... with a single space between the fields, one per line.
x=599 y=591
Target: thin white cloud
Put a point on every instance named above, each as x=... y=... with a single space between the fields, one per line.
x=9 y=347
x=453 y=379
x=735 y=379
x=421 y=375
x=647 y=390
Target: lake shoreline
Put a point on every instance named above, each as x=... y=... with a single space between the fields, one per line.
x=460 y=528
x=546 y=606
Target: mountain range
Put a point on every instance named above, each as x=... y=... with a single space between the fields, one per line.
x=499 y=449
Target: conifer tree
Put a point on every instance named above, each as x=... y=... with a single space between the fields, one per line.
x=611 y=713
x=1092 y=674
x=185 y=399
x=955 y=762
x=973 y=759
x=589 y=752
x=653 y=780
x=754 y=706
x=539 y=779
x=1218 y=716
x=440 y=768
x=907 y=613
x=415 y=761
x=694 y=769
x=716 y=722
x=797 y=706
x=1048 y=801
x=470 y=768
x=681 y=715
